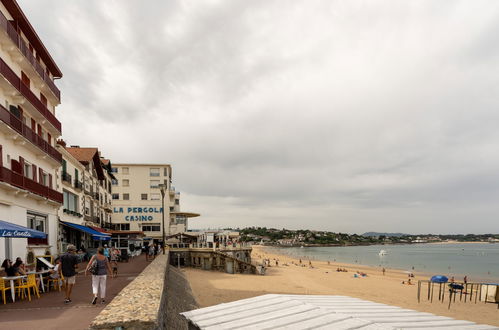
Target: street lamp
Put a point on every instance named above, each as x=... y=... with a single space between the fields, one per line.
x=162 y=187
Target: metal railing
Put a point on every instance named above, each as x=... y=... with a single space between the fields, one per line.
x=17 y=125
x=20 y=181
x=23 y=47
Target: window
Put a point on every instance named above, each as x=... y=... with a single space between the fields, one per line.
x=116 y=196
x=165 y=171
x=126 y=183
x=126 y=197
x=114 y=170
x=114 y=182
x=25 y=79
x=155 y=197
x=70 y=201
x=123 y=226
x=151 y=227
x=125 y=170
x=154 y=171
x=28 y=170
x=143 y=197
x=177 y=202
x=37 y=222
x=154 y=183
x=45 y=179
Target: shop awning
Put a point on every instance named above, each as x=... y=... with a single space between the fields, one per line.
x=8 y=229
x=96 y=236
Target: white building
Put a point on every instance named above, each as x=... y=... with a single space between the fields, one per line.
x=29 y=195
x=137 y=200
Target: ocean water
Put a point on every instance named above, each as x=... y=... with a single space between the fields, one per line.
x=480 y=262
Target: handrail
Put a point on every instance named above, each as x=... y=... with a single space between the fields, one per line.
x=23 y=47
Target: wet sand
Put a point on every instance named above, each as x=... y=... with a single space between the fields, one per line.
x=211 y=288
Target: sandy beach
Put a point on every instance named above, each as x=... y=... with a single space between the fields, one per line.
x=211 y=288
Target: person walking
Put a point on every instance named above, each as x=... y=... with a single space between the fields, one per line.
x=99 y=275
x=69 y=264
x=106 y=251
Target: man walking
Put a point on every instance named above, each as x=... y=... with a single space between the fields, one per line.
x=69 y=263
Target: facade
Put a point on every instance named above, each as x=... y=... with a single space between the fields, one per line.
x=137 y=200
x=86 y=183
x=29 y=161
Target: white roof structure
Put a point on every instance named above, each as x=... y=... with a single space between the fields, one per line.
x=278 y=311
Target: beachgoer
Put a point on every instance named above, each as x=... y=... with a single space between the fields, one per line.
x=384 y=270
x=465 y=279
x=69 y=264
x=409 y=282
x=300 y=261
x=99 y=279
x=452 y=279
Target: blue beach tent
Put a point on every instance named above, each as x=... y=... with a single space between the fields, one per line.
x=11 y=230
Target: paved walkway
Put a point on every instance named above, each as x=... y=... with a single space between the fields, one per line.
x=50 y=312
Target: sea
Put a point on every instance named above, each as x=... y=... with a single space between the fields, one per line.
x=478 y=261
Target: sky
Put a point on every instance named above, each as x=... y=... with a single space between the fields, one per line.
x=347 y=116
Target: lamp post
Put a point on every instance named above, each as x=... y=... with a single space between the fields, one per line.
x=162 y=187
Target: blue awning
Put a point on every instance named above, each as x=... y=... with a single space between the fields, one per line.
x=96 y=236
x=8 y=229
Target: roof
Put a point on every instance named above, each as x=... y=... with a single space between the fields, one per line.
x=85 y=156
x=273 y=311
x=186 y=214
x=18 y=15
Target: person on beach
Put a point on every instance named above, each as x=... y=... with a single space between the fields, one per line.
x=384 y=270
x=465 y=280
x=69 y=264
x=100 y=276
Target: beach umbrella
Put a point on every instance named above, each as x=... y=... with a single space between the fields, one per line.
x=10 y=230
x=439 y=279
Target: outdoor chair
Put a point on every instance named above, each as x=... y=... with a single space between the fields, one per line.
x=3 y=288
x=29 y=284
x=55 y=282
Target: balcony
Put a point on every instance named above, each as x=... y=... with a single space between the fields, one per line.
x=20 y=181
x=89 y=191
x=15 y=81
x=66 y=177
x=78 y=185
x=17 y=125
x=7 y=28
x=96 y=196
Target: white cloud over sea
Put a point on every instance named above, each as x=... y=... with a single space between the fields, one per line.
x=345 y=115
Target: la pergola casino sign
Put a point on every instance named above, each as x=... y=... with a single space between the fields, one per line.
x=138 y=213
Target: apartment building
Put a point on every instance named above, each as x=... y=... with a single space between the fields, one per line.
x=137 y=200
x=86 y=182
x=29 y=127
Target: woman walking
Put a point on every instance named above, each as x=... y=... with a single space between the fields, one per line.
x=100 y=268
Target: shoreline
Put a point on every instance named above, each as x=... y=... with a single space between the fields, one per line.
x=211 y=288
x=428 y=273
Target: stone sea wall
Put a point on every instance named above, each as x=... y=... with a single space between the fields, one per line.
x=140 y=304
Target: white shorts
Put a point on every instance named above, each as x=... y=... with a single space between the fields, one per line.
x=70 y=279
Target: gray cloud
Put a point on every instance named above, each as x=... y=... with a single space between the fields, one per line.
x=340 y=115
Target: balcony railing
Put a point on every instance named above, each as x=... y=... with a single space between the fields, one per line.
x=66 y=177
x=78 y=184
x=16 y=124
x=20 y=181
x=15 y=81
x=7 y=27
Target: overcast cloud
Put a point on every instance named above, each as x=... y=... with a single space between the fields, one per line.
x=348 y=116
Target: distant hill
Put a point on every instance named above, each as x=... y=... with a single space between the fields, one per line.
x=372 y=233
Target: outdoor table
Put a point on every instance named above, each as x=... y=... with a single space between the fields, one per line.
x=40 y=273
x=12 y=289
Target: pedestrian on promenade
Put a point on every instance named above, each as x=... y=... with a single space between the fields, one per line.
x=151 y=251
x=99 y=275
x=69 y=264
x=106 y=252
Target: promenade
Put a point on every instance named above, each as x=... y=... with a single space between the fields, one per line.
x=50 y=312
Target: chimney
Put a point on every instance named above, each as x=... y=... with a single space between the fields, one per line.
x=61 y=142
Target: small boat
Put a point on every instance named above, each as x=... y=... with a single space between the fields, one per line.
x=382 y=253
